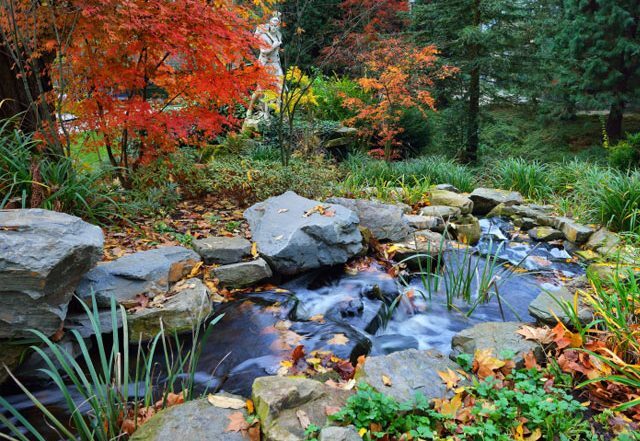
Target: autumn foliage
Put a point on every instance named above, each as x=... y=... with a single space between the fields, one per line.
x=363 y=24
x=399 y=75
x=145 y=75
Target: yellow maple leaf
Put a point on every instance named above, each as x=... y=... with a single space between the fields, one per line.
x=338 y=340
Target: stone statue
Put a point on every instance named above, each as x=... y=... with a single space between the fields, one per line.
x=271 y=40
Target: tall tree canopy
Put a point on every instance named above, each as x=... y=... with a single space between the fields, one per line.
x=600 y=41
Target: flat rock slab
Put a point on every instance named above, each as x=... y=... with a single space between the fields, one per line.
x=486 y=199
x=296 y=234
x=145 y=273
x=410 y=372
x=500 y=337
x=421 y=250
x=280 y=400
x=192 y=421
x=546 y=308
x=451 y=199
x=339 y=434
x=447 y=187
x=573 y=231
x=43 y=255
x=419 y=222
x=545 y=234
x=440 y=211
x=385 y=221
x=240 y=275
x=187 y=307
x=222 y=250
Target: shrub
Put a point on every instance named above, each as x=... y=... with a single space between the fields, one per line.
x=614 y=199
x=531 y=178
x=51 y=182
x=331 y=92
x=181 y=168
x=626 y=154
x=248 y=180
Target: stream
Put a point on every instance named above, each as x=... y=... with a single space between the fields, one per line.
x=353 y=313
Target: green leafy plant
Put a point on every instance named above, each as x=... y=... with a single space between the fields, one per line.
x=497 y=410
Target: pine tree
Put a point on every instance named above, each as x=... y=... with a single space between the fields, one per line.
x=600 y=39
x=493 y=44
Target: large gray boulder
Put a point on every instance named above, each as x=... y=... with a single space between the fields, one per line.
x=240 y=275
x=145 y=273
x=294 y=236
x=385 y=221
x=281 y=401
x=486 y=199
x=43 y=255
x=409 y=372
x=192 y=421
x=222 y=250
x=499 y=337
x=186 y=308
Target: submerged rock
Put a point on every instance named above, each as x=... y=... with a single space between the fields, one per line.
x=385 y=221
x=486 y=199
x=222 y=250
x=240 y=275
x=545 y=234
x=192 y=421
x=409 y=372
x=279 y=402
x=294 y=236
x=11 y=355
x=500 y=337
x=43 y=255
x=547 y=309
x=145 y=273
x=451 y=199
x=188 y=306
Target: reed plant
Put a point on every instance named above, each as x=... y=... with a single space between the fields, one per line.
x=101 y=389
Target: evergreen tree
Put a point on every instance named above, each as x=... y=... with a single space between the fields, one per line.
x=493 y=43
x=600 y=40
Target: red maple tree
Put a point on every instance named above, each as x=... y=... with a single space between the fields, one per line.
x=147 y=75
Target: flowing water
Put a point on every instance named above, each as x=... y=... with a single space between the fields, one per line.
x=364 y=312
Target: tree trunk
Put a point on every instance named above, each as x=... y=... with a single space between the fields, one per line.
x=471 y=150
x=15 y=97
x=613 y=125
